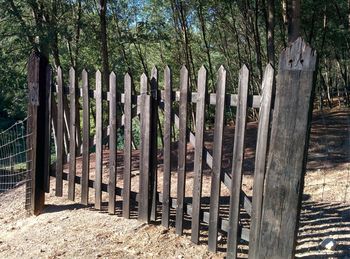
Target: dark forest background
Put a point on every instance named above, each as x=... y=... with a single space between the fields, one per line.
x=135 y=35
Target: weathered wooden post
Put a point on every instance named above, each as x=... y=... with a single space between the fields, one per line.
x=39 y=73
x=286 y=162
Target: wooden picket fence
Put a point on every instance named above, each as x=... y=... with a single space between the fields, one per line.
x=151 y=203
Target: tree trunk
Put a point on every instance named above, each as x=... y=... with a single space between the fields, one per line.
x=104 y=45
x=293 y=20
x=206 y=43
x=271 y=32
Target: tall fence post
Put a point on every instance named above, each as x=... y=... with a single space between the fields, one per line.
x=286 y=161
x=38 y=129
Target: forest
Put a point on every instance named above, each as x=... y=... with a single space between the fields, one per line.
x=136 y=35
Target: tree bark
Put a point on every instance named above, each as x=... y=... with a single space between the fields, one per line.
x=271 y=32
x=104 y=44
x=293 y=20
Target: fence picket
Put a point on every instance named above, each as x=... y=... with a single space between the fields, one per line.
x=154 y=142
x=167 y=147
x=72 y=135
x=112 y=142
x=237 y=162
x=144 y=203
x=198 y=157
x=47 y=150
x=127 y=145
x=99 y=132
x=260 y=160
x=60 y=132
x=86 y=139
x=217 y=160
x=182 y=149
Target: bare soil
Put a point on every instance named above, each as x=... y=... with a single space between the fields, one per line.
x=69 y=230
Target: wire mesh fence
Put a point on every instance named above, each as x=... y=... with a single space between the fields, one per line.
x=14 y=162
x=328 y=176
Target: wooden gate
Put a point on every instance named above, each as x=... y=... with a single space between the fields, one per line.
x=161 y=186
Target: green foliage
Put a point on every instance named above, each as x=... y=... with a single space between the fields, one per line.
x=144 y=33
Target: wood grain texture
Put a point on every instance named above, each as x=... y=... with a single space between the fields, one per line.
x=287 y=156
x=198 y=156
x=60 y=132
x=144 y=203
x=86 y=139
x=167 y=147
x=72 y=135
x=237 y=163
x=260 y=159
x=127 y=145
x=182 y=149
x=99 y=135
x=37 y=115
x=217 y=160
x=112 y=142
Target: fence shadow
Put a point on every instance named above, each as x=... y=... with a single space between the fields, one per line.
x=318 y=221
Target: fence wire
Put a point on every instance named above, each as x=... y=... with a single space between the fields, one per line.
x=14 y=162
x=331 y=182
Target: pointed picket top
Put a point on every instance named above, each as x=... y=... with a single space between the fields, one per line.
x=112 y=85
x=167 y=78
x=298 y=56
x=202 y=81
x=143 y=84
x=268 y=74
x=72 y=79
x=71 y=70
x=127 y=77
x=98 y=75
x=221 y=68
x=84 y=77
x=202 y=70
x=244 y=69
x=221 y=71
x=154 y=72
x=112 y=75
x=243 y=81
x=184 y=79
x=59 y=71
x=167 y=69
x=183 y=69
x=84 y=74
x=98 y=84
x=221 y=83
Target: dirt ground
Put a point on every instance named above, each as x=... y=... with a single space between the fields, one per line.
x=69 y=230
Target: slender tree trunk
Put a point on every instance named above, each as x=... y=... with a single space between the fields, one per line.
x=206 y=43
x=104 y=44
x=271 y=31
x=257 y=40
x=293 y=20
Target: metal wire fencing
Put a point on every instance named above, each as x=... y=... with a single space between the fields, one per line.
x=328 y=179
x=14 y=162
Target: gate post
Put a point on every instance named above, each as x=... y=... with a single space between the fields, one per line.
x=286 y=162
x=39 y=78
